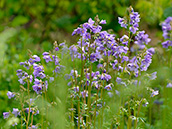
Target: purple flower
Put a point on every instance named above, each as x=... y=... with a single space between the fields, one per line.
x=103 y=22
x=124 y=39
x=76 y=89
x=73 y=73
x=90 y=21
x=51 y=79
x=145 y=104
x=124 y=58
x=16 y=112
x=141 y=38
x=117 y=92
x=47 y=57
x=122 y=22
x=6 y=115
x=154 y=93
x=133 y=67
x=62 y=44
x=38 y=70
x=73 y=51
x=110 y=94
x=10 y=94
x=151 y=50
x=118 y=80
x=27 y=110
x=100 y=66
x=41 y=75
x=96 y=29
x=56 y=49
x=133 y=29
x=167 y=43
x=169 y=85
x=32 y=110
x=153 y=76
x=33 y=127
x=37 y=88
x=84 y=93
x=108 y=87
x=25 y=64
x=105 y=76
x=95 y=56
x=166 y=28
x=34 y=59
x=46 y=85
x=146 y=62
x=19 y=73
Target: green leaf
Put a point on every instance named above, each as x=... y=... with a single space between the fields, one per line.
x=168 y=12
x=4 y=36
x=19 y=20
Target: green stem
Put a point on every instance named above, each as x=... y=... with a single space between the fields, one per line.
x=129 y=113
x=31 y=120
x=150 y=111
x=138 y=113
x=42 y=112
x=95 y=108
x=29 y=105
x=89 y=88
x=102 y=108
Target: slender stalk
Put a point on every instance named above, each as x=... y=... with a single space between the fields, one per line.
x=150 y=112
x=102 y=107
x=72 y=116
x=96 y=108
x=82 y=67
x=31 y=120
x=22 y=110
x=72 y=106
x=29 y=105
x=46 y=107
x=89 y=88
x=42 y=111
x=138 y=113
x=89 y=97
x=129 y=113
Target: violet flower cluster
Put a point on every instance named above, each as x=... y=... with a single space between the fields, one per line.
x=106 y=62
x=37 y=79
x=167 y=32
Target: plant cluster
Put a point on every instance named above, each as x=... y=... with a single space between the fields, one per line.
x=107 y=76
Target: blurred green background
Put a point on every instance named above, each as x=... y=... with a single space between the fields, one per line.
x=36 y=24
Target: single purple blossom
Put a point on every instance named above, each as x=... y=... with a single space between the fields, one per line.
x=108 y=87
x=122 y=22
x=124 y=39
x=6 y=115
x=47 y=57
x=153 y=76
x=34 y=59
x=103 y=22
x=154 y=93
x=56 y=49
x=118 y=80
x=33 y=127
x=169 y=85
x=16 y=112
x=37 y=88
x=10 y=95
